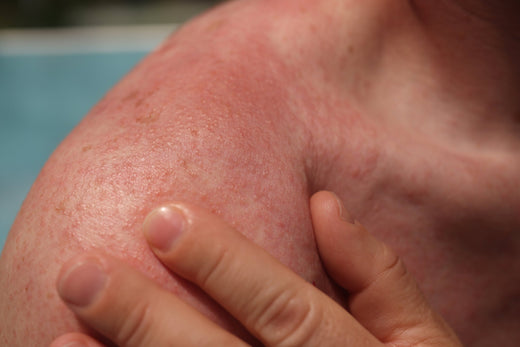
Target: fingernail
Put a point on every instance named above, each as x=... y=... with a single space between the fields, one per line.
x=75 y=344
x=82 y=283
x=342 y=211
x=163 y=226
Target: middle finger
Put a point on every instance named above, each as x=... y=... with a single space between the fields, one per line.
x=273 y=303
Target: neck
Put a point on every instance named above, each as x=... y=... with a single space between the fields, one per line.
x=504 y=15
x=475 y=31
x=457 y=62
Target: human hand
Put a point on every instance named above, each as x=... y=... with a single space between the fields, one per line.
x=274 y=304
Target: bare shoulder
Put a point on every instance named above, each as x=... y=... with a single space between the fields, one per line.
x=204 y=119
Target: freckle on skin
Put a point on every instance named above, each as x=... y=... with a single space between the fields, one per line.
x=215 y=25
x=131 y=95
x=60 y=208
x=86 y=148
x=139 y=102
x=147 y=118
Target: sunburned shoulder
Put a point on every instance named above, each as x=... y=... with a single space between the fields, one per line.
x=189 y=123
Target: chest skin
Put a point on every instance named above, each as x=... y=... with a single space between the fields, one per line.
x=248 y=115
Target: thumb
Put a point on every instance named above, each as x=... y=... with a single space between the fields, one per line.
x=384 y=297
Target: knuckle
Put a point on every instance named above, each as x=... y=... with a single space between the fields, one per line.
x=392 y=266
x=133 y=329
x=214 y=268
x=388 y=265
x=288 y=319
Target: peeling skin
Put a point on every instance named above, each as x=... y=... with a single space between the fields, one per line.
x=247 y=115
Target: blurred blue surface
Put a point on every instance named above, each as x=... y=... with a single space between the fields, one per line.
x=42 y=97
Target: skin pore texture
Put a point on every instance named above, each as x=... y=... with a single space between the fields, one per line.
x=409 y=111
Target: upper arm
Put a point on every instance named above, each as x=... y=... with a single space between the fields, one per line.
x=184 y=125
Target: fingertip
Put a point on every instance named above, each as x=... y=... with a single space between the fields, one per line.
x=346 y=248
x=328 y=204
x=321 y=199
x=75 y=340
x=164 y=225
x=81 y=280
x=342 y=211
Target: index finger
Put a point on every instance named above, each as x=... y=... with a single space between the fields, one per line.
x=271 y=301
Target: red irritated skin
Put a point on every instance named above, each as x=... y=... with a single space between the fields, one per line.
x=247 y=111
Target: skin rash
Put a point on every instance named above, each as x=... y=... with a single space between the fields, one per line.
x=247 y=111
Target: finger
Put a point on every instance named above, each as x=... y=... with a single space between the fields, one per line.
x=273 y=303
x=130 y=309
x=384 y=296
x=75 y=340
